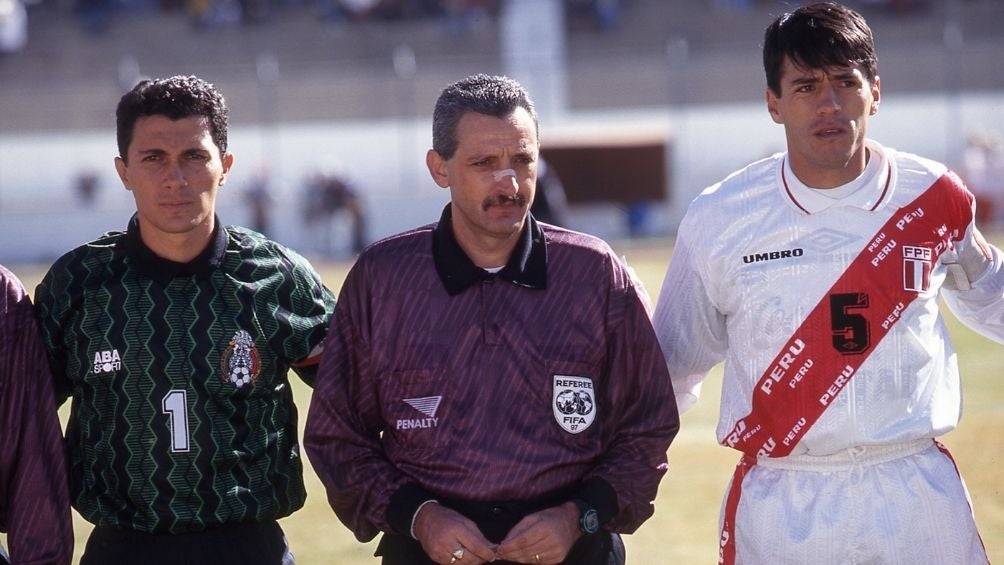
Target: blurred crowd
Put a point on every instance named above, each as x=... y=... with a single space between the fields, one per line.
x=458 y=16
x=223 y=12
x=95 y=14
x=896 y=6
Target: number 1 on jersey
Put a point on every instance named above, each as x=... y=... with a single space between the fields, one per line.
x=175 y=405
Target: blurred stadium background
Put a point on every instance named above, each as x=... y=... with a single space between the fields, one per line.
x=642 y=103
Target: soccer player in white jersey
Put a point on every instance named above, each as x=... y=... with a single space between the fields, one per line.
x=815 y=276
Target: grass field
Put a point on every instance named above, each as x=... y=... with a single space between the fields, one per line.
x=684 y=528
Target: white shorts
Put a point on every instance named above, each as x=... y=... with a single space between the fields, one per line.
x=902 y=504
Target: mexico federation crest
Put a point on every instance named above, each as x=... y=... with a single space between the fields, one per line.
x=240 y=363
x=573 y=403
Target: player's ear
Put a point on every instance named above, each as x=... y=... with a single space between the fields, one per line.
x=228 y=161
x=876 y=95
x=123 y=170
x=437 y=168
x=771 y=99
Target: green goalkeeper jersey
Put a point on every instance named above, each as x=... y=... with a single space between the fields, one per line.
x=182 y=417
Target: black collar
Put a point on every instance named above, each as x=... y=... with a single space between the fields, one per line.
x=527 y=265
x=160 y=269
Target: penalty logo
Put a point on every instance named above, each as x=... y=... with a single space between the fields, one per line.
x=240 y=363
x=428 y=406
x=573 y=403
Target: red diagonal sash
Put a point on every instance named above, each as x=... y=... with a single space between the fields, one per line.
x=825 y=352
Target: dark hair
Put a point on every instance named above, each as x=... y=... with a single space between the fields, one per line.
x=496 y=96
x=818 y=36
x=176 y=97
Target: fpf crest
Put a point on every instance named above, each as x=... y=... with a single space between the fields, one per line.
x=916 y=268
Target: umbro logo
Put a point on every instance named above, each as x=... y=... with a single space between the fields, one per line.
x=427 y=406
x=773 y=255
x=107 y=361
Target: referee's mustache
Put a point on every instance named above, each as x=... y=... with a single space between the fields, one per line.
x=503 y=199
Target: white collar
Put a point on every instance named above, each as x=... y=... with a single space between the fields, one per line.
x=867 y=191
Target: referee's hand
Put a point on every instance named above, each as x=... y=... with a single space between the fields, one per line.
x=544 y=537
x=442 y=532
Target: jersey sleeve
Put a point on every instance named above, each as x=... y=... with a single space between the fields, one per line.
x=642 y=417
x=981 y=307
x=979 y=303
x=342 y=433
x=34 y=498
x=52 y=307
x=306 y=312
x=690 y=327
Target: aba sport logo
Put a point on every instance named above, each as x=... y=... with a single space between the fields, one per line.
x=240 y=363
x=107 y=361
x=573 y=403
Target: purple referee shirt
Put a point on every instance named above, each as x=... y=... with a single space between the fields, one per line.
x=439 y=380
x=34 y=498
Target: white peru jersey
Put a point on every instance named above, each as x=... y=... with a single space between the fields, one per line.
x=757 y=252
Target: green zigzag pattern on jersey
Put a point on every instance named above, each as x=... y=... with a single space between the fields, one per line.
x=223 y=504
x=179 y=373
x=188 y=473
x=140 y=462
x=91 y=261
x=138 y=457
x=142 y=316
x=264 y=260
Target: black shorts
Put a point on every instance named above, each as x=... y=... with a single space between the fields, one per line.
x=234 y=544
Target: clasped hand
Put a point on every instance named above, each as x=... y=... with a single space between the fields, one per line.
x=542 y=537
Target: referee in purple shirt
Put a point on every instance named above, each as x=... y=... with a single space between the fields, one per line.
x=34 y=492
x=491 y=387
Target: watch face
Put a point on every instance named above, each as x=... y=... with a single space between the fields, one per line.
x=590 y=521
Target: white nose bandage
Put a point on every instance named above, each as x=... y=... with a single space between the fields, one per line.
x=504 y=173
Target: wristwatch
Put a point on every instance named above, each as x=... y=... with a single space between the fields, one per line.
x=589 y=520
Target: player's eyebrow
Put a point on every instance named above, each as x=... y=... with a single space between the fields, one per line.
x=842 y=74
x=480 y=156
x=159 y=151
x=804 y=80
